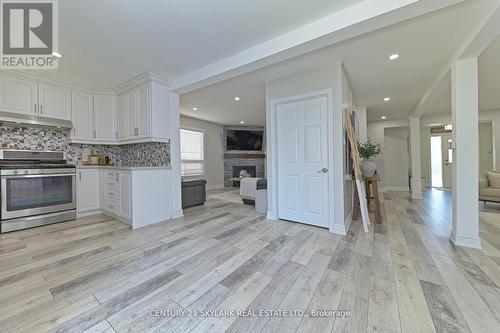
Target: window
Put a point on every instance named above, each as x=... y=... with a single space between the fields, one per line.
x=192 y=154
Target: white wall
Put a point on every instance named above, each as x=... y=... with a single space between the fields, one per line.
x=175 y=154
x=320 y=79
x=214 y=149
x=425 y=154
x=349 y=103
x=376 y=131
x=362 y=130
x=396 y=158
x=485 y=147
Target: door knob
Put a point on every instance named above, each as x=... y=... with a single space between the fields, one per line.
x=324 y=170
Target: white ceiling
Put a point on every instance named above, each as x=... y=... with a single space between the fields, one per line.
x=489 y=77
x=425 y=44
x=489 y=84
x=107 y=42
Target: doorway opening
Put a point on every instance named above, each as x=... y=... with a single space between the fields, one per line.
x=441 y=161
x=436 y=162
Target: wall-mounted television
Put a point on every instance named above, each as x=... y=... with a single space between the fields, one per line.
x=242 y=139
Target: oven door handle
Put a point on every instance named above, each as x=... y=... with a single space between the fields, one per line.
x=40 y=176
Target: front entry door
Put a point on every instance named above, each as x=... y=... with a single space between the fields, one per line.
x=303 y=161
x=447 y=159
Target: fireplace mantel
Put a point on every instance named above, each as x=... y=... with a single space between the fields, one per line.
x=239 y=155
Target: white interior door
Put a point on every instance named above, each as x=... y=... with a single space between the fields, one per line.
x=303 y=161
x=447 y=160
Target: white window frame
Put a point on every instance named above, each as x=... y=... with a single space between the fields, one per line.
x=204 y=174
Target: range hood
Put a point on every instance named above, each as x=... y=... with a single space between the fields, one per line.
x=24 y=119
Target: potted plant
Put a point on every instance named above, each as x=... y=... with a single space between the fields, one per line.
x=367 y=151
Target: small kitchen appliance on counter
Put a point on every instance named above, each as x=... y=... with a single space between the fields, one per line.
x=36 y=188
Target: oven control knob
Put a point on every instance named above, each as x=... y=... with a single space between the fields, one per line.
x=16 y=172
x=26 y=172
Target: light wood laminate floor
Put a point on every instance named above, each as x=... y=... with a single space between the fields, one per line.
x=96 y=275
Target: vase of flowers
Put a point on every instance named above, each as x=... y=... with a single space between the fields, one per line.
x=367 y=151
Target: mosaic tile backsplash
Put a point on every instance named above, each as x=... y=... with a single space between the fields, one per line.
x=32 y=138
x=149 y=154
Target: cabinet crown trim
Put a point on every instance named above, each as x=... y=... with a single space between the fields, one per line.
x=61 y=83
x=140 y=79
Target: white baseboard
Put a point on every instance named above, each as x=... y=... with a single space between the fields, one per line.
x=339 y=229
x=119 y=218
x=90 y=213
x=472 y=242
x=271 y=216
x=177 y=214
x=342 y=229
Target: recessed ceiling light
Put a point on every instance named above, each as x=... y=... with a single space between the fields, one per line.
x=387 y=99
x=195 y=109
x=393 y=56
x=383 y=117
x=242 y=122
x=57 y=55
x=236 y=98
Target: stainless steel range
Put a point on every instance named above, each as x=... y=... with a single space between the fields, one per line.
x=36 y=188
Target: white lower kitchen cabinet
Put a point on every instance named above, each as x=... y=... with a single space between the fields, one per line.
x=87 y=190
x=134 y=195
x=125 y=178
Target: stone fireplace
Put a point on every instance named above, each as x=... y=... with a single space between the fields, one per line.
x=251 y=170
x=254 y=162
x=233 y=163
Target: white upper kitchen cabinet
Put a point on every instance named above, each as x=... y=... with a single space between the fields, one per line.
x=54 y=102
x=122 y=116
x=82 y=116
x=18 y=96
x=105 y=118
x=143 y=113
x=87 y=186
x=132 y=110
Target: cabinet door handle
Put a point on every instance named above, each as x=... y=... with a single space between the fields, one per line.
x=41 y=109
x=80 y=175
x=117 y=178
x=116 y=134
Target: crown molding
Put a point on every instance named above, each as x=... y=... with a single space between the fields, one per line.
x=140 y=79
x=65 y=83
